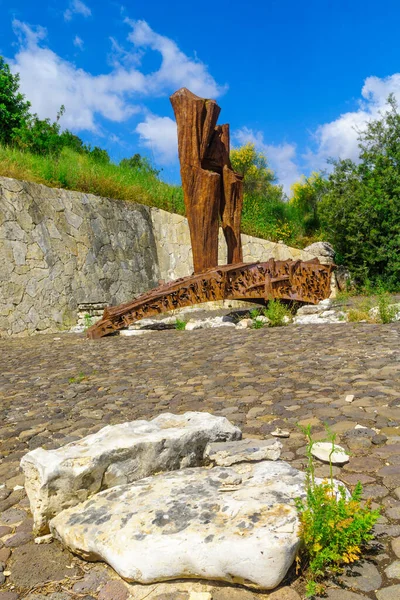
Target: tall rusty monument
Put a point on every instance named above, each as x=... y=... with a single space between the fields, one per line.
x=213 y=195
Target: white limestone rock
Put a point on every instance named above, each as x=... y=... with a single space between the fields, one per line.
x=117 y=454
x=262 y=319
x=308 y=309
x=393 y=308
x=237 y=524
x=323 y=451
x=134 y=332
x=245 y=324
x=282 y=433
x=322 y=250
x=226 y=454
x=209 y=323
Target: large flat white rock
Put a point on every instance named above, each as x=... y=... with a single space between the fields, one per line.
x=226 y=454
x=236 y=524
x=118 y=454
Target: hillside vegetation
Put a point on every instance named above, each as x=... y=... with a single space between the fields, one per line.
x=356 y=207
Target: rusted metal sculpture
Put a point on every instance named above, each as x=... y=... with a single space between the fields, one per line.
x=213 y=192
x=211 y=189
x=285 y=279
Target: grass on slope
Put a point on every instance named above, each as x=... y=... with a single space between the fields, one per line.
x=79 y=172
x=262 y=217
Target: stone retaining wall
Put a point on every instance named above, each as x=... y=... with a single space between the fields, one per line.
x=61 y=248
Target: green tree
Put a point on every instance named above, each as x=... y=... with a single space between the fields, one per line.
x=40 y=136
x=253 y=165
x=14 y=109
x=361 y=209
x=306 y=195
x=99 y=155
x=140 y=163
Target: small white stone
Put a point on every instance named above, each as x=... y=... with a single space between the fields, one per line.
x=77 y=329
x=226 y=454
x=326 y=452
x=327 y=303
x=44 y=539
x=360 y=427
x=262 y=319
x=349 y=398
x=16 y=488
x=130 y=332
x=192 y=325
x=200 y=596
x=280 y=433
x=245 y=324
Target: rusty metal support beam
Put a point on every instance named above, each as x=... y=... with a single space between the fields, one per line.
x=286 y=280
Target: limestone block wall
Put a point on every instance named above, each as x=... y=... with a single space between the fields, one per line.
x=174 y=251
x=60 y=249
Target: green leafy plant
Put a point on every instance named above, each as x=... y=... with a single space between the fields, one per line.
x=180 y=325
x=386 y=310
x=78 y=379
x=334 y=525
x=257 y=324
x=277 y=313
x=254 y=313
x=87 y=320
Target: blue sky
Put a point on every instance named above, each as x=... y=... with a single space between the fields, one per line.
x=295 y=77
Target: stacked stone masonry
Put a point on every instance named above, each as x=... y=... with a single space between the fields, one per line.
x=60 y=248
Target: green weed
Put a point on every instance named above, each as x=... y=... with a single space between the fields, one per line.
x=277 y=313
x=386 y=312
x=87 y=320
x=334 y=527
x=180 y=325
x=257 y=324
x=78 y=379
x=254 y=313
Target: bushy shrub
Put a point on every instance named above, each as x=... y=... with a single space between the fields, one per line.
x=277 y=313
x=360 y=211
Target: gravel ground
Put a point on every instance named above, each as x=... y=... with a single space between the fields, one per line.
x=56 y=389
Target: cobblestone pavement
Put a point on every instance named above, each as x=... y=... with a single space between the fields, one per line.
x=56 y=389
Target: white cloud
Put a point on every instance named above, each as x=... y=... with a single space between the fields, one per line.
x=77 y=7
x=78 y=42
x=336 y=139
x=160 y=136
x=177 y=70
x=281 y=157
x=339 y=138
x=48 y=80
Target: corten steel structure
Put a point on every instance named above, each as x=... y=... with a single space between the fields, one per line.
x=213 y=192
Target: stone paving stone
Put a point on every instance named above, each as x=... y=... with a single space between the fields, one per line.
x=113 y=590
x=396 y=546
x=363 y=577
x=389 y=593
x=393 y=570
x=33 y=564
x=91 y=582
x=259 y=379
x=339 y=594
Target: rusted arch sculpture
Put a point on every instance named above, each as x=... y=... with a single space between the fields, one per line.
x=213 y=193
x=289 y=280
